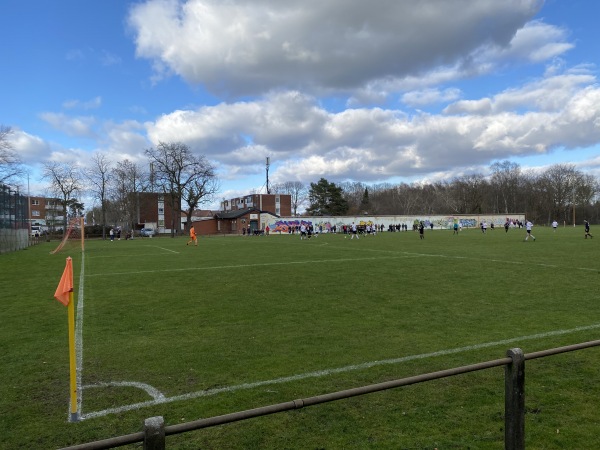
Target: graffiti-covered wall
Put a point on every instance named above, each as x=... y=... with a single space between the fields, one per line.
x=328 y=224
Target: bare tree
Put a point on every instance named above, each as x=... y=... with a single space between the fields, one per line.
x=470 y=190
x=181 y=175
x=66 y=182
x=432 y=198
x=354 y=192
x=10 y=164
x=587 y=192
x=505 y=182
x=201 y=188
x=127 y=182
x=554 y=193
x=449 y=201
x=407 y=197
x=297 y=191
x=558 y=186
x=384 y=198
x=99 y=177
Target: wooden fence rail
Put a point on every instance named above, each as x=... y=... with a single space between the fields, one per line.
x=155 y=431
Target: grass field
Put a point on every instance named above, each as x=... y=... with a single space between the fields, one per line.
x=243 y=322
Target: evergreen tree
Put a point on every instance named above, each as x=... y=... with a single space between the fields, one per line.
x=364 y=204
x=326 y=199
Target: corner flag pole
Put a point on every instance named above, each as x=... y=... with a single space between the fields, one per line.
x=64 y=294
x=74 y=416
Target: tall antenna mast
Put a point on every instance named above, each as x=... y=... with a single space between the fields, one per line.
x=268 y=163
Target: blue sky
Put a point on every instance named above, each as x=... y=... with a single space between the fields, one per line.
x=381 y=91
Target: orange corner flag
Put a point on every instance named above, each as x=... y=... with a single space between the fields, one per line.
x=66 y=284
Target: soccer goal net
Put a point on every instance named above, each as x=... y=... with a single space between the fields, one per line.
x=73 y=236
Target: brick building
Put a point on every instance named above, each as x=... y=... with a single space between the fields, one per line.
x=277 y=204
x=156 y=210
x=46 y=212
x=245 y=214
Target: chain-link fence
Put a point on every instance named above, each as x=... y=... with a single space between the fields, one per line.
x=14 y=226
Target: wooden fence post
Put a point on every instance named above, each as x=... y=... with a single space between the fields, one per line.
x=514 y=401
x=154 y=433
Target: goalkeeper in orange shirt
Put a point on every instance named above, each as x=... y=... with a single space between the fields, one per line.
x=193 y=237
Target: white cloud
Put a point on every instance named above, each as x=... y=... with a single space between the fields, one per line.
x=317 y=86
x=306 y=141
x=430 y=96
x=284 y=122
x=482 y=106
x=94 y=103
x=590 y=166
x=240 y=48
x=540 y=42
x=125 y=140
x=31 y=149
x=377 y=144
x=109 y=59
x=547 y=94
x=81 y=126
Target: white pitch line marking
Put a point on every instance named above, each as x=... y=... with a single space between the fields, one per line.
x=162 y=248
x=399 y=255
x=79 y=335
x=240 y=266
x=325 y=372
x=428 y=255
x=128 y=255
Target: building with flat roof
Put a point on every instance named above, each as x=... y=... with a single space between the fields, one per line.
x=46 y=212
x=276 y=204
x=245 y=215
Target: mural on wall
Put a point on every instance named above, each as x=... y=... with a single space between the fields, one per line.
x=287 y=225
x=389 y=223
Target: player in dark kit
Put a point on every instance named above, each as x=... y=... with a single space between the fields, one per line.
x=587 y=229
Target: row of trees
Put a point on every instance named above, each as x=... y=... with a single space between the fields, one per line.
x=174 y=170
x=186 y=179
x=560 y=192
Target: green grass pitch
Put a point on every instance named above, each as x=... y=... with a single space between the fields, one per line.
x=242 y=322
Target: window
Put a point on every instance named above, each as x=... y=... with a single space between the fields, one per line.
x=35 y=213
x=35 y=202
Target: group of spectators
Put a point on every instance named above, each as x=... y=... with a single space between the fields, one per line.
x=397 y=227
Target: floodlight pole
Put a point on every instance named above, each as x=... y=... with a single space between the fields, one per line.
x=268 y=163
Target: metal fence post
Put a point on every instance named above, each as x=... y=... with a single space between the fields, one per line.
x=154 y=433
x=514 y=401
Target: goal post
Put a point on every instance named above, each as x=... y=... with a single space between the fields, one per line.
x=74 y=235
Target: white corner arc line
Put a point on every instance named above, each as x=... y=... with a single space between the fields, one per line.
x=151 y=391
x=325 y=372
